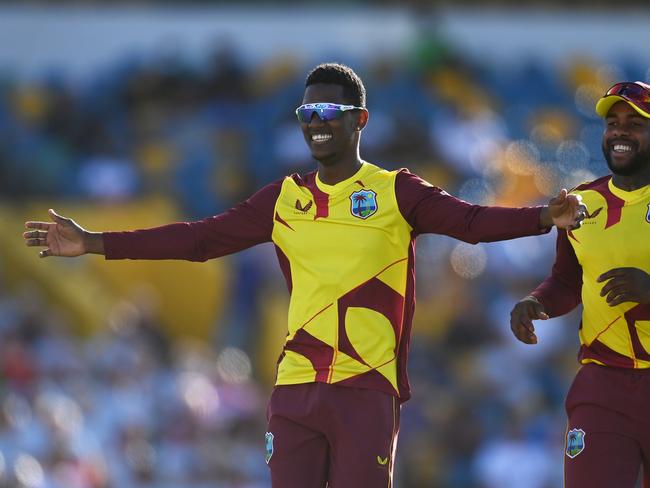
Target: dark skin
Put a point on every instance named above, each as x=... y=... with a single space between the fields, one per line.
x=337 y=156
x=626 y=146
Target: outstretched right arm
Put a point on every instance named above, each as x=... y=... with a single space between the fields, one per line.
x=62 y=237
x=244 y=225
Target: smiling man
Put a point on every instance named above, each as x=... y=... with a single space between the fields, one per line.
x=605 y=264
x=345 y=240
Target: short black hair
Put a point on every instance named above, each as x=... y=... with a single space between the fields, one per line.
x=339 y=74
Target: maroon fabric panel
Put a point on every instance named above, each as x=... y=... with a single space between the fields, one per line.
x=561 y=291
x=245 y=225
x=372 y=380
x=285 y=267
x=405 y=337
x=321 y=198
x=318 y=352
x=429 y=209
x=610 y=405
x=600 y=352
x=638 y=312
x=614 y=204
x=328 y=433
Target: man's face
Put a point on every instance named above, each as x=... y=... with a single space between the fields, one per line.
x=330 y=141
x=626 y=140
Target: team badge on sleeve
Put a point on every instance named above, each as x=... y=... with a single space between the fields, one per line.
x=269 y=446
x=363 y=203
x=647 y=216
x=575 y=442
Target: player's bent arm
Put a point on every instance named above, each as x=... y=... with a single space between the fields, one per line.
x=561 y=292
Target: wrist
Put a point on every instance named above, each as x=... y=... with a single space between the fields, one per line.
x=545 y=219
x=93 y=242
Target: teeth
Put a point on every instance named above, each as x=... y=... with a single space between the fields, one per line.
x=321 y=137
x=622 y=148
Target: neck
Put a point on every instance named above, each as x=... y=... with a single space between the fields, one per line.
x=331 y=174
x=632 y=182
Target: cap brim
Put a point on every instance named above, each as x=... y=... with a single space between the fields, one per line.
x=605 y=103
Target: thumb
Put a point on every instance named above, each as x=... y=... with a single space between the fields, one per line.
x=561 y=197
x=540 y=313
x=56 y=217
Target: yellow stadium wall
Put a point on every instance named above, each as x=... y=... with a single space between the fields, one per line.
x=190 y=296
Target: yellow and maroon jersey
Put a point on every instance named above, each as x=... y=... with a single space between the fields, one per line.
x=615 y=234
x=347 y=254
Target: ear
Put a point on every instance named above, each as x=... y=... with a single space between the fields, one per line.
x=362 y=120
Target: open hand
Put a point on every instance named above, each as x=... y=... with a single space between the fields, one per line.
x=625 y=285
x=522 y=316
x=61 y=237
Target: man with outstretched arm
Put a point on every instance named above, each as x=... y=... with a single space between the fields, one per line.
x=345 y=237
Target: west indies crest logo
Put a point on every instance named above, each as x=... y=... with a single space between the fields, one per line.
x=575 y=442
x=363 y=203
x=268 y=437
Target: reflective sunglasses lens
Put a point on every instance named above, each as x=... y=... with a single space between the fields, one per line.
x=325 y=114
x=630 y=90
x=634 y=93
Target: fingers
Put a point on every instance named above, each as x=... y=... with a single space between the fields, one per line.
x=35 y=238
x=38 y=225
x=612 y=273
x=521 y=319
x=524 y=332
x=614 y=286
x=581 y=214
x=622 y=298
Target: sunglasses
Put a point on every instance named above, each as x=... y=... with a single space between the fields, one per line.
x=633 y=92
x=325 y=111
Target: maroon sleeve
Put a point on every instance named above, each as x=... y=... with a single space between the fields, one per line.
x=429 y=209
x=561 y=291
x=246 y=224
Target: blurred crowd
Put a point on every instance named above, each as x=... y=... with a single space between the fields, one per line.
x=129 y=407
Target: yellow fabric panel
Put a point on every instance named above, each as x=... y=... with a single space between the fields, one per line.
x=395 y=276
x=388 y=370
x=300 y=367
x=346 y=367
x=600 y=247
x=335 y=251
x=371 y=335
x=615 y=337
x=321 y=325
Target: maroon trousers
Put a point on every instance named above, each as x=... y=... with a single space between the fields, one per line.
x=322 y=435
x=608 y=434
